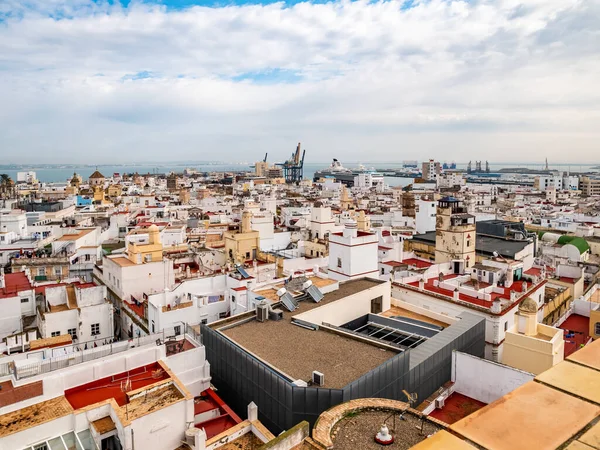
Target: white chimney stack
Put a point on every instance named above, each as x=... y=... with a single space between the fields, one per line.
x=456 y=294
x=351 y=229
x=496 y=307
x=2 y=282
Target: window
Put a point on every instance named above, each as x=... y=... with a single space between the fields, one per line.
x=148 y=258
x=88 y=257
x=597 y=328
x=55 y=333
x=468 y=243
x=339 y=262
x=24 y=300
x=505 y=326
x=204 y=321
x=382 y=271
x=73 y=333
x=247 y=255
x=153 y=330
x=95 y=329
x=41 y=271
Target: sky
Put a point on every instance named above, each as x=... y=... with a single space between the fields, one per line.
x=85 y=81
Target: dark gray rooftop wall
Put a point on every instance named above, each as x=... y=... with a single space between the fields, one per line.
x=498 y=228
x=431 y=362
x=242 y=378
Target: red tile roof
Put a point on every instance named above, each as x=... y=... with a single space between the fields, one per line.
x=579 y=326
x=15 y=283
x=418 y=263
x=516 y=287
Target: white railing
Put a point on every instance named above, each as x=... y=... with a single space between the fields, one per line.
x=79 y=353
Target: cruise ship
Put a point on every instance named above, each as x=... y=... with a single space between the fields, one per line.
x=344 y=175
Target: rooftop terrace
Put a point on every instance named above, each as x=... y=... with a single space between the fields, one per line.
x=34 y=415
x=111 y=387
x=298 y=351
x=576 y=330
x=456 y=407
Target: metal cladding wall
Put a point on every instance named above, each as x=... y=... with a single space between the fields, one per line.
x=431 y=362
x=241 y=378
x=385 y=381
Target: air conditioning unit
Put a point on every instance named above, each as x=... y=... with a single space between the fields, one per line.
x=440 y=402
x=275 y=314
x=262 y=312
x=318 y=378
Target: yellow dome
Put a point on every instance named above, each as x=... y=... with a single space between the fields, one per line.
x=528 y=306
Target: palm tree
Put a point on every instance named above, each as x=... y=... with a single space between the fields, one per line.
x=6 y=185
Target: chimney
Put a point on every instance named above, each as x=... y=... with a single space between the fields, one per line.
x=496 y=307
x=421 y=284
x=2 y=282
x=246 y=222
x=456 y=294
x=350 y=230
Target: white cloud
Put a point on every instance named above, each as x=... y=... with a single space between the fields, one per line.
x=229 y=82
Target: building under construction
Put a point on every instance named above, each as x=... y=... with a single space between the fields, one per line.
x=293 y=168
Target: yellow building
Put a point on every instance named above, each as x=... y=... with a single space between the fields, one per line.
x=595 y=322
x=150 y=252
x=557 y=300
x=97 y=179
x=114 y=191
x=455 y=233
x=346 y=202
x=98 y=195
x=532 y=346
x=242 y=246
x=261 y=168
x=74 y=183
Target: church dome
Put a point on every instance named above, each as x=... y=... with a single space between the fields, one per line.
x=528 y=306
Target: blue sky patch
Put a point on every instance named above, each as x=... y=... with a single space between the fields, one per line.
x=270 y=76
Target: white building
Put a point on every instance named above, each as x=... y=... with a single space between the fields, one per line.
x=353 y=254
x=81 y=311
x=431 y=170
x=322 y=222
x=491 y=289
x=198 y=301
x=17 y=296
x=26 y=177
x=425 y=215
x=448 y=180
x=127 y=395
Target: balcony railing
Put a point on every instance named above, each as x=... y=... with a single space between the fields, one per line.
x=77 y=353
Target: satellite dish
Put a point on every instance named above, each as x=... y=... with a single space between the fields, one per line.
x=495 y=254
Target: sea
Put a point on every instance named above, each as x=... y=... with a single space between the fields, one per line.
x=62 y=173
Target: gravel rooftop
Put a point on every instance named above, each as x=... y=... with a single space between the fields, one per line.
x=358 y=431
x=297 y=351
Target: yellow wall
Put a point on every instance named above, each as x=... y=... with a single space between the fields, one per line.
x=151 y=252
x=318 y=249
x=594 y=319
x=530 y=353
x=241 y=245
x=556 y=307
